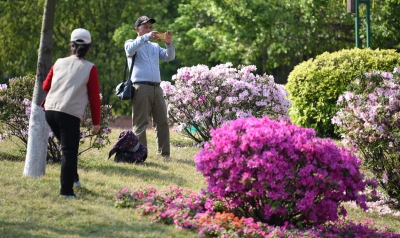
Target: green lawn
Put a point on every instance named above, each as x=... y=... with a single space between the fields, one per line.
x=32 y=207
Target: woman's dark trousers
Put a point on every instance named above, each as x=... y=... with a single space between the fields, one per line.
x=66 y=129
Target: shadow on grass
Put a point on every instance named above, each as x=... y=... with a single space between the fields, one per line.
x=10 y=157
x=182 y=144
x=84 y=192
x=147 y=171
x=187 y=162
x=24 y=229
x=116 y=228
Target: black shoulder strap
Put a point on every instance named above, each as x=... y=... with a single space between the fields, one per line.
x=126 y=66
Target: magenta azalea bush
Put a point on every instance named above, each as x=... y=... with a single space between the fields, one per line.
x=202 y=99
x=369 y=119
x=15 y=103
x=186 y=210
x=278 y=172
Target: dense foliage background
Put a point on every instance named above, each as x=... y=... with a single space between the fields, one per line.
x=273 y=35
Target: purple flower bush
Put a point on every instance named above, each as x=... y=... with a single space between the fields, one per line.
x=186 y=210
x=369 y=119
x=202 y=99
x=15 y=101
x=277 y=172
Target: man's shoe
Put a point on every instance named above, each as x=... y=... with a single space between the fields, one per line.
x=77 y=184
x=166 y=158
x=71 y=196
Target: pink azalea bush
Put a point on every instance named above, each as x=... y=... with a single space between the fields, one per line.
x=277 y=172
x=202 y=99
x=186 y=210
x=15 y=103
x=369 y=119
x=173 y=206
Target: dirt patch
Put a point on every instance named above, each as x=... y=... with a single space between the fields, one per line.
x=125 y=123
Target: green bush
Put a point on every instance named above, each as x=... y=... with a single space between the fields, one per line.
x=315 y=85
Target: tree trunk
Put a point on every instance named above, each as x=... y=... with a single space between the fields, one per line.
x=35 y=162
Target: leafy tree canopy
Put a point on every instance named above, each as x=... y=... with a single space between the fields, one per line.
x=274 y=35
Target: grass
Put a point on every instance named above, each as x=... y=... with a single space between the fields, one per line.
x=31 y=207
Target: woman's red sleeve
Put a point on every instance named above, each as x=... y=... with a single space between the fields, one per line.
x=94 y=95
x=47 y=82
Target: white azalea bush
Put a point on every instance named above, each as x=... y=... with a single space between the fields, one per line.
x=369 y=120
x=202 y=98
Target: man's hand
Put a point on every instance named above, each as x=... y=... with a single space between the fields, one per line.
x=153 y=35
x=95 y=129
x=168 y=39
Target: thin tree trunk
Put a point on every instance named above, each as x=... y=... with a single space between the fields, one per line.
x=35 y=162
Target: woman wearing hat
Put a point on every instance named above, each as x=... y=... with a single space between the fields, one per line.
x=71 y=84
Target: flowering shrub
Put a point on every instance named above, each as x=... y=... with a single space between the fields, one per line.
x=14 y=108
x=100 y=140
x=315 y=85
x=369 y=120
x=186 y=210
x=173 y=206
x=14 y=119
x=348 y=228
x=276 y=172
x=203 y=99
x=226 y=220
x=228 y=225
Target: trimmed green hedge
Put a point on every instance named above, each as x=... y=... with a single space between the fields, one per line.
x=315 y=85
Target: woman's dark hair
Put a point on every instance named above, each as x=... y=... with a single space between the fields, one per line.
x=79 y=50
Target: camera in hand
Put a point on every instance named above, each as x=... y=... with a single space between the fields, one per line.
x=161 y=35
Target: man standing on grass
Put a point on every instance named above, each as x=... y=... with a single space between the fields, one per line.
x=148 y=100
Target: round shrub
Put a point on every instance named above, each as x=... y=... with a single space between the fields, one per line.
x=277 y=172
x=203 y=99
x=315 y=85
x=369 y=119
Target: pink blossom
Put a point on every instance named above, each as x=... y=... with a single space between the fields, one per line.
x=368 y=121
x=249 y=156
x=244 y=95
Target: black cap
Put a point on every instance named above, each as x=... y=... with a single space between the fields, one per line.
x=144 y=19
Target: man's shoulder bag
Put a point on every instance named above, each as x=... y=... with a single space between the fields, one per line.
x=124 y=90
